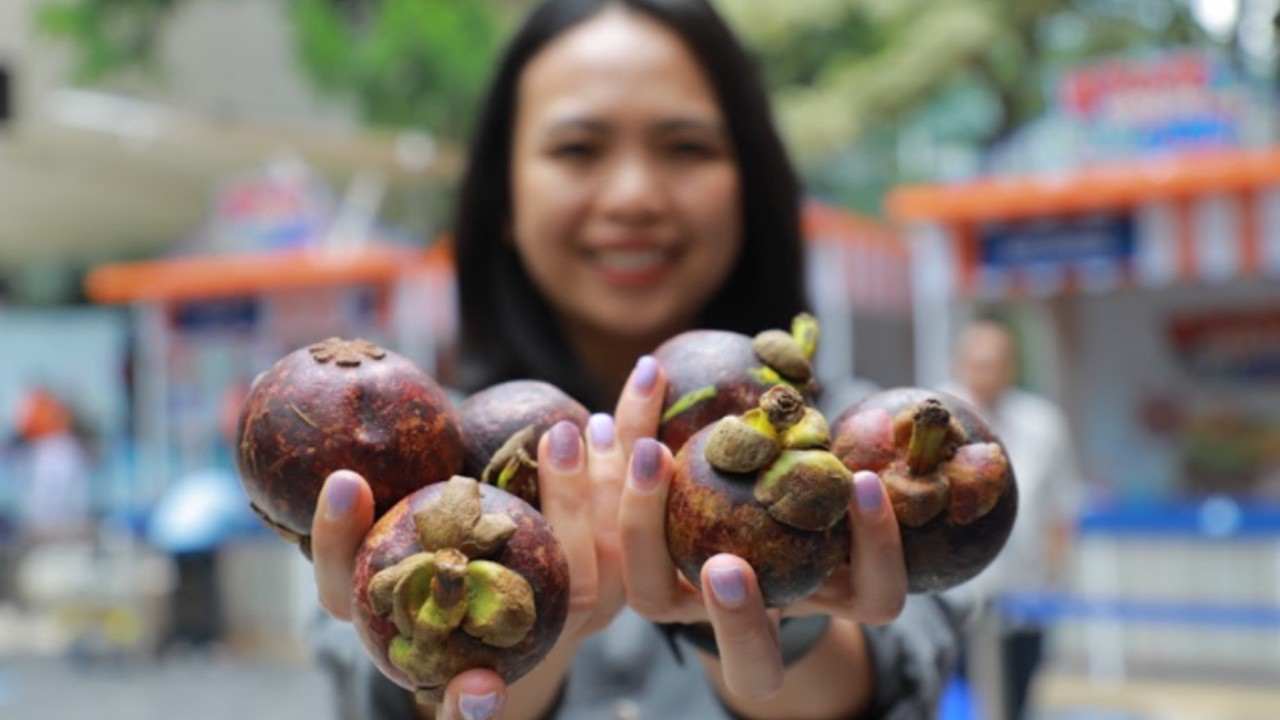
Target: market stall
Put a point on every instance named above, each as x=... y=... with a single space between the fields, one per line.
x=1153 y=285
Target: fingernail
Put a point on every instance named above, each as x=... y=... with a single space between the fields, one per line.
x=646 y=459
x=564 y=445
x=866 y=487
x=600 y=427
x=340 y=495
x=478 y=707
x=728 y=585
x=645 y=374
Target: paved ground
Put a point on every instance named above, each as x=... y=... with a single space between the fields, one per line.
x=189 y=687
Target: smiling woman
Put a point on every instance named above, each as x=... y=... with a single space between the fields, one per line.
x=625 y=183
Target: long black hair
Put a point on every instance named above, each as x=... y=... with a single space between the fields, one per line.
x=508 y=329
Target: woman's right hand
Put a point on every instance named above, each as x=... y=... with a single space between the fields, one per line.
x=343 y=517
x=580 y=485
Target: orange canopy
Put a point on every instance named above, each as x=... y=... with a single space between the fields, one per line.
x=1103 y=188
x=197 y=278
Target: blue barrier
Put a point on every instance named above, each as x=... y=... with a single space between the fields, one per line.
x=1213 y=518
x=1046 y=608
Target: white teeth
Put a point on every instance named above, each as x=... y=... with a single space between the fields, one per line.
x=630 y=260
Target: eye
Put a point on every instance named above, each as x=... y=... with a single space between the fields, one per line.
x=692 y=150
x=574 y=150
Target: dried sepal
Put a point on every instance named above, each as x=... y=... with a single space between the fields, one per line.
x=383 y=584
x=446 y=521
x=411 y=591
x=742 y=444
x=500 y=607
x=811 y=432
x=780 y=351
x=805 y=489
x=916 y=499
x=978 y=474
x=509 y=458
x=488 y=536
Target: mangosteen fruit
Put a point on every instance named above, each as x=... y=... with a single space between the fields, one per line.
x=501 y=427
x=459 y=575
x=341 y=404
x=714 y=373
x=762 y=486
x=947 y=475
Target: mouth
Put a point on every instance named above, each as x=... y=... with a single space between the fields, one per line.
x=633 y=266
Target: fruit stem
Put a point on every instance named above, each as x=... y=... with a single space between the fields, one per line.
x=449 y=585
x=928 y=437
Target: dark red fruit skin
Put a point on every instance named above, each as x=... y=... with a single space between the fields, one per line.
x=939 y=555
x=493 y=415
x=532 y=551
x=711 y=512
x=696 y=359
x=303 y=419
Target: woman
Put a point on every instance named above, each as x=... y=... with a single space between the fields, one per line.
x=625 y=184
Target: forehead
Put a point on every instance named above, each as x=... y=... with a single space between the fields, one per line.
x=616 y=62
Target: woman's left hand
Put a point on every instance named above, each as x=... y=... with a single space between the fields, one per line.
x=871 y=589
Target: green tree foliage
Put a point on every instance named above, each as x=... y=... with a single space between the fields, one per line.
x=855 y=81
x=406 y=63
x=409 y=63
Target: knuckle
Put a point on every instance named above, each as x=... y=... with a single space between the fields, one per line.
x=583 y=601
x=885 y=610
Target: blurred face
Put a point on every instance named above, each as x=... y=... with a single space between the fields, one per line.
x=985 y=362
x=624 y=182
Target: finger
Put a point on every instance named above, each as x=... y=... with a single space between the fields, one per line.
x=343 y=517
x=647 y=571
x=746 y=635
x=607 y=470
x=640 y=406
x=878 y=573
x=565 y=493
x=473 y=695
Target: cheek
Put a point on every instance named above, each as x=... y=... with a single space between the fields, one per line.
x=711 y=206
x=545 y=209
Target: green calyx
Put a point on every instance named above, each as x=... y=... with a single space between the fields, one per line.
x=780 y=421
x=430 y=594
x=688 y=400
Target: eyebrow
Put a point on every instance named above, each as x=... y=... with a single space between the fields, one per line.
x=663 y=126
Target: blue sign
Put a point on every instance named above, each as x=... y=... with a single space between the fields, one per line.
x=1056 y=242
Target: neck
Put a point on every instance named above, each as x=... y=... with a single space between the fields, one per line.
x=609 y=357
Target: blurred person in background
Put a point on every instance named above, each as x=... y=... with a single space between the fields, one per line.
x=626 y=183
x=1050 y=489
x=198 y=513
x=52 y=472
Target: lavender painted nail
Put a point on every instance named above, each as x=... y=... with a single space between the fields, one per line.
x=564 y=445
x=866 y=488
x=600 y=428
x=728 y=585
x=478 y=707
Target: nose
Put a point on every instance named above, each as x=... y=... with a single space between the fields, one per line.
x=632 y=192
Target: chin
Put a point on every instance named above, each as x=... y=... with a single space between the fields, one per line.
x=633 y=325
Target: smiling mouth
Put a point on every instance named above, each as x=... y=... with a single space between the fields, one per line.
x=633 y=267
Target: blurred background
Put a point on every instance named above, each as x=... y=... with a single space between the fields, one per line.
x=191 y=188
